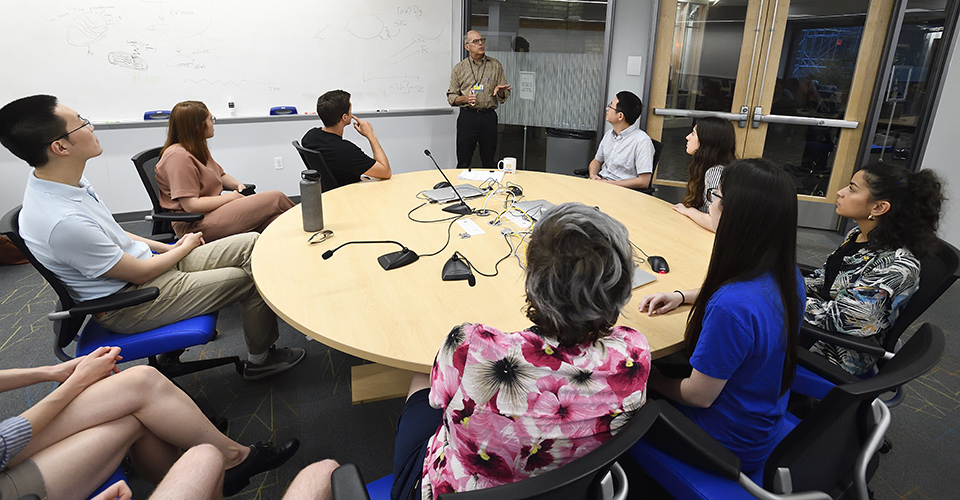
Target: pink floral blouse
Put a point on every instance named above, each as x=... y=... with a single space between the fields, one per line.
x=516 y=405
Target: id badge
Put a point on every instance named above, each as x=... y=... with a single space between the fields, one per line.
x=477 y=88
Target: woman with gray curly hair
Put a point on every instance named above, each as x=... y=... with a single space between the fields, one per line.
x=500 y=407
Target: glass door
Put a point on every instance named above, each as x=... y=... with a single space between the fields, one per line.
x=795 y=76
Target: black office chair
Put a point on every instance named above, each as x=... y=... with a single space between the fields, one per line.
x=70 y=322
x=146 y=163
x=657 y=150
x=831 y=453
x=583 y=478
x=938 y=272
x=314 y=161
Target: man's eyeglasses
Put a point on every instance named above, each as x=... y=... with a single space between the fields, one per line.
x=712 y=194
x=478 y=41
x=86 y=123
x=615 y=110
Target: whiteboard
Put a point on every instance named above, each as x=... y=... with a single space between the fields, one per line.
x=115 y=59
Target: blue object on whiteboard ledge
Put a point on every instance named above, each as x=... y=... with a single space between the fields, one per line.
x=283 y=110
x=158 y=114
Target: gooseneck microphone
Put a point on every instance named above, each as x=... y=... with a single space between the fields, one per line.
x=388 y=261
x=457 y=208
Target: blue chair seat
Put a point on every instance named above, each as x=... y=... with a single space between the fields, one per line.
x=685 y=481
x=380 y=489
x=180 y=335
x=118 y=475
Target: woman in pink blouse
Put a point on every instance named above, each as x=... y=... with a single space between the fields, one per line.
x=500 y=407
x=191 y=181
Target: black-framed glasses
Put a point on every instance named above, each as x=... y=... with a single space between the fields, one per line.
x=611 y=108
x=478 y=41
x=86 y=123
x=713 y=194
x=324 y=235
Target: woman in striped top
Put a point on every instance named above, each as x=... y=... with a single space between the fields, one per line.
x=712 y=143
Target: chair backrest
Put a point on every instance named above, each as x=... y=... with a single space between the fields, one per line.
x=821 y=451
x=146 y=163
x=314 y=161
x=657 y=149
x=938 y=272
x=66 y=329
x=578 y=479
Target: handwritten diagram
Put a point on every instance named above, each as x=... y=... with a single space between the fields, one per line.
x=261 y=54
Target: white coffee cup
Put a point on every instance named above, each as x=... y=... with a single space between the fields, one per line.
x=508 y=165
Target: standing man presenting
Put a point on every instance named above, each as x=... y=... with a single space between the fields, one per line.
x=477 y=86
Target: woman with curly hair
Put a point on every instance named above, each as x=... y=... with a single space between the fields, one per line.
x=712 y=143
x=863 y=284
x=500 y=407
x=190 y=180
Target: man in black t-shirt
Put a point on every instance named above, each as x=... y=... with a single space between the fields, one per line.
x=346 y=161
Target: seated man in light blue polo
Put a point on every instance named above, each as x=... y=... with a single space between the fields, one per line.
x=72 y=232
x=625 y=155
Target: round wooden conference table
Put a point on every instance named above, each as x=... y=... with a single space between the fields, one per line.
x=399 y=317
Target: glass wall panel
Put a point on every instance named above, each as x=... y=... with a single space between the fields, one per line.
x=821 y=45
x=703 y=72
x=905 y=96
x=556 y=47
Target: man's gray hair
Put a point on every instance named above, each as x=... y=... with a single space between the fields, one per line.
x=579 y=273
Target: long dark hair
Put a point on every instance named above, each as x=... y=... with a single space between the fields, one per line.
x=718 y=146
x=188 y=127
x=915 y=200
x=757 y=234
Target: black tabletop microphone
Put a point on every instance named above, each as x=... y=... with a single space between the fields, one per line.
x=388 y=261
x=457 y=208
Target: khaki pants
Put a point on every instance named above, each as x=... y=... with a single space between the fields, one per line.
x=211 y=277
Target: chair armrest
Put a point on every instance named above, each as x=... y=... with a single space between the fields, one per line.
x=249 y=189
x=347 y=483
x=848 y=341
x=806 y=269
x=176 y=217
x=823 y=368
x=108 y=303
x=582 y=172
x=678 y=436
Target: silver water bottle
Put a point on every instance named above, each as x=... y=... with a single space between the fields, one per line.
x=310 y=203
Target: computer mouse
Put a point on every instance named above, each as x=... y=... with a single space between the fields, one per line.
x=443 y=184
x=516 y=191
x=658 y=264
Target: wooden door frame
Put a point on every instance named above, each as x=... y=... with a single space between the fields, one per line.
x=876 y=25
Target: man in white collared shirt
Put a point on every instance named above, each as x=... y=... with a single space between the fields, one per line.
x=625 y=155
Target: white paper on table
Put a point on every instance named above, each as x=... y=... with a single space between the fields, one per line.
x=481 y=175
x=470 y=227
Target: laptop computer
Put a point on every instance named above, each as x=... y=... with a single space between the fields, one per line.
x=446 y=194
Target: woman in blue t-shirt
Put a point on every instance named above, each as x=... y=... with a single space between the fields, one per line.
x=742 y=331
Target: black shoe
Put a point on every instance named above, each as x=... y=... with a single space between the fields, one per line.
x=278 y=360
x=262 y=457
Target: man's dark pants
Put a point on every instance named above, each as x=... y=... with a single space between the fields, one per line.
x=477 y=125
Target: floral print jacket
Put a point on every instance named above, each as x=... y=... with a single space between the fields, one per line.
x=517 y=404
x=865 y=299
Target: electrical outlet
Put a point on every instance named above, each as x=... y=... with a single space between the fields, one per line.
x=278 y=163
